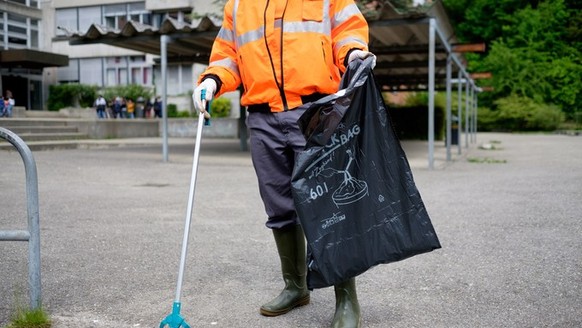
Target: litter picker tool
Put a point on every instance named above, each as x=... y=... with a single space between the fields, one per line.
x=174 y=319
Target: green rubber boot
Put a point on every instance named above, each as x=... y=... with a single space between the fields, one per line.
x=291 y=248
x=347 y=308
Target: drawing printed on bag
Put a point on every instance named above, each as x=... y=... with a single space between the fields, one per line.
x=351 y=189
x=336 y=218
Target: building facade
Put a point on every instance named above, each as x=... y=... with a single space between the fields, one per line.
x=35 y=52
x=23 y=52
x=106 y=66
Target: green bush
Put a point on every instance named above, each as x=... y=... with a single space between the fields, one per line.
x=130 y=91
x=545 y=118
x=172 y=110
x=421 y=99
x=515 y=113
x=183 y=114
x=486 y=119
x=578 y=119
x=75 y=94
x=71 y=95
x=220 y=107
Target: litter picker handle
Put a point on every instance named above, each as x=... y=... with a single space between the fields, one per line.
x=195 y=161
x=175 y=319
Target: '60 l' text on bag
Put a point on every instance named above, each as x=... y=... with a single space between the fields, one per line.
x=353 y=187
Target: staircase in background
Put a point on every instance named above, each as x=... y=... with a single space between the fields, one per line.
x=42 y=133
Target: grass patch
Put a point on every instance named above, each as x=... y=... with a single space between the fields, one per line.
x=486 y=160
x=36 y=318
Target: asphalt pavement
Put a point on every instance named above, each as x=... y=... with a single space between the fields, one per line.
x=507 y=211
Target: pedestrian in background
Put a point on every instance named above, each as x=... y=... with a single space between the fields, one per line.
x=148 y=108
x=100 y=105
x=8 y=104
x=123 y=108
x=285 y=55
x=117 y=102
x=158 y=107
x=2 y=108
x=130 y=108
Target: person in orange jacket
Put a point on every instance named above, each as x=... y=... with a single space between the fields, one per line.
x=285 y=53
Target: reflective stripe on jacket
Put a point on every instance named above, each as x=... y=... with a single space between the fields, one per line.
x=281 y=50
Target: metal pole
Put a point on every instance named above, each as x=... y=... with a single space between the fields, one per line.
x=34 y=228
x=467 y=114
x=459 y=112
x=33 y=233
x=474 y=103
x=164 y=39
x=472 y=113
x=476 y=107
x=449 y=113
x=431 y=83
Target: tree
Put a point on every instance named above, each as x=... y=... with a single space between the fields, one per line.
x=534 y=48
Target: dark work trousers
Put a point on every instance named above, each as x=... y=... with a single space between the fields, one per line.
x=274 y=140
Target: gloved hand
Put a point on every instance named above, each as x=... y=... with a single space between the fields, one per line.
x=361 y=54
x=210 y=86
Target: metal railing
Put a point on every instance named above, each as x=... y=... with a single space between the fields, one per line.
x=32 y=234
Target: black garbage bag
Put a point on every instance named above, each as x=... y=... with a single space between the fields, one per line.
x=352 y=185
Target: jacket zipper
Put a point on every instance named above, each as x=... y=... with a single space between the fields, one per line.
x=280 y=86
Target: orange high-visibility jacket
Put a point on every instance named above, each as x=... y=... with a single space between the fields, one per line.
x=281 y=50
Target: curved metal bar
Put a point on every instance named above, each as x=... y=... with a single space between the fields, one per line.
x=33 y=217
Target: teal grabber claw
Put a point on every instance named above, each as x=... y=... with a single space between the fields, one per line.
x=202 y=96
x=175 y=320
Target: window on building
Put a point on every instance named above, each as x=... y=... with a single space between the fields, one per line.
x=92 y=72
x=137 y=12
x=28 y=3
x=157 y=20
x=2 y=32
x=186 y=85
x=66 y=18
x=138 y=65
x=34 y=35
x=69 y=73
x=136 y=76
x=17 y=31
x=116 y=71
x=111 y=77
x=115 y=15
x=109 y=71
x=22 y=2
x=89 y=16
x=178 y=75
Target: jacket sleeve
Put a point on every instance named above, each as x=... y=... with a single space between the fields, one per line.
x=349 y=30
x=223 y=64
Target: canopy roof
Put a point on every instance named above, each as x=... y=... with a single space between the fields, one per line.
x=31 y=59
x=400 y=40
